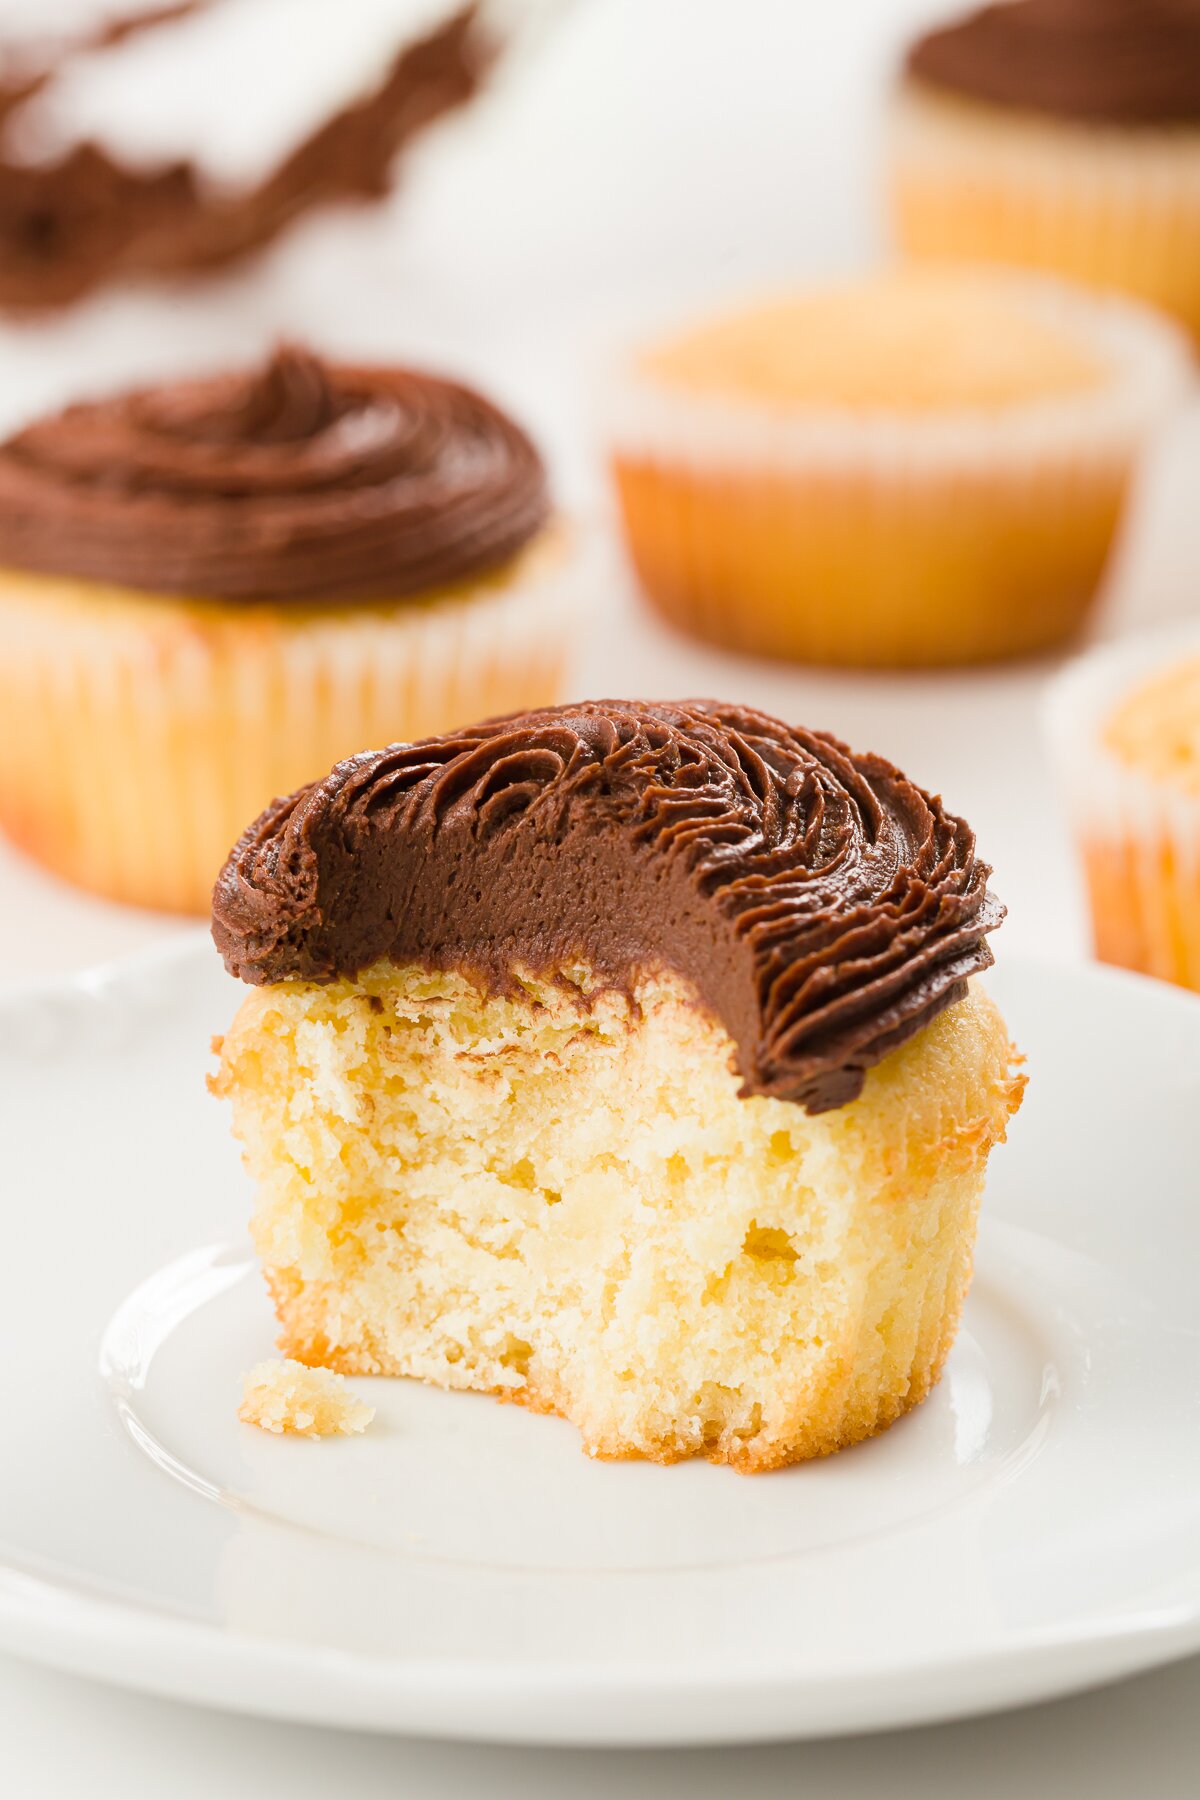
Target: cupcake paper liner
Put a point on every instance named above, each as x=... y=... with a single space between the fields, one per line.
x=142 y=734
x=1138 y=836
x=1116 y=207
x=894 y=538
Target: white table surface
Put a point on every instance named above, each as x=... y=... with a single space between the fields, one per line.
x=647 y=154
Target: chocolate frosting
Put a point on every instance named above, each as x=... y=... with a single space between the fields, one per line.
x=70 y=225
x=822 y=907
x=1126 y=62
x=302 y=479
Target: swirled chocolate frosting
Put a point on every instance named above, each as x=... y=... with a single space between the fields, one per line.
x=821 y=906
x=299 y=480
x=1126 y=62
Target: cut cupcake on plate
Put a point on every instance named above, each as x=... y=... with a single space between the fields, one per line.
x=626 y=1061
x=210 y=590
x=925 y=466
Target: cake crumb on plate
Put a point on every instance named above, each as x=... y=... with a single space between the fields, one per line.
x=287 y=1396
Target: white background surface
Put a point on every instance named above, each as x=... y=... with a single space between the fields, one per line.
x=645 y=155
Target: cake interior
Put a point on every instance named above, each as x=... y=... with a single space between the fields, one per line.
x=557 y=1194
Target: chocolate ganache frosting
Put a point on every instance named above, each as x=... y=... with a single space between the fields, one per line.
x=300 y=480
x=71 y=223
x=821 y=905
x=1124 y=62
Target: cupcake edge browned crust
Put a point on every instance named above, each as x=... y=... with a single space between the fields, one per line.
x=822 y=906
x=299 y=480
x=1119 y=62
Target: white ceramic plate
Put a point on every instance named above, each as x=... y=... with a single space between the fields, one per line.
x=463 y=1570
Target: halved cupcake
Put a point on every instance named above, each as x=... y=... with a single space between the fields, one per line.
x=1063 y=136
x=926 y=466
x=211 y=590
x=626 y=1061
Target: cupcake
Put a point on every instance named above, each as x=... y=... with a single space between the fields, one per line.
x=622 y=1060
x=211 y=590
x=1059 y=133
x=120 y=148
x=923 y=467
x=1125 y=728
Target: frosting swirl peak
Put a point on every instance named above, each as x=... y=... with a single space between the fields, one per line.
x=1126 y=62
x=822 y=906
x=299 y=480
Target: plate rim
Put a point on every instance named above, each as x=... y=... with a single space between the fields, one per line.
x=457 y=1700
x=61 y=1620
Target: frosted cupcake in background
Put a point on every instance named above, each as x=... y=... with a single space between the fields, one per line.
x=211 y=590
x=165 y=140
x=921 y=467
x=1125 y=729
x=1059 y=133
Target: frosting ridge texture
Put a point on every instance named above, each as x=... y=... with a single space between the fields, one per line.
x=1127 y=62
x=299 y=480
x=821 y=905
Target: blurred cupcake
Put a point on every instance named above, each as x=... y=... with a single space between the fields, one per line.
x=1063 y=134
x=1125 y=726
x=211 y=590
x=148 y=142
x=922 y=467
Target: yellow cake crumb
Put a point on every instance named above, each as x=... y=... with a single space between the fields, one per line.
x=911 y=339
x=560 y=1196
x=287 y=1396
x=1156 y=728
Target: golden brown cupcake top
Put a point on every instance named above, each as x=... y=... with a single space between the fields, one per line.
x=822 y=906
x=912 y=340
x=1156 y=728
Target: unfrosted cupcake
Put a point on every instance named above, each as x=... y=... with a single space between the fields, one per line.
x=626 y=1061
x=211 y=590
x=924 y=466
x=1125 y=725
x=1063 y=134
